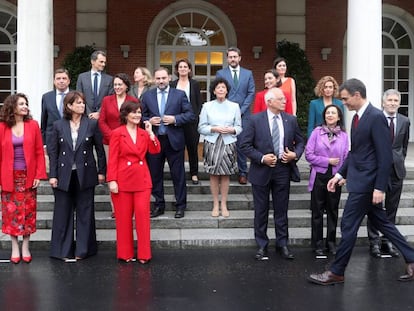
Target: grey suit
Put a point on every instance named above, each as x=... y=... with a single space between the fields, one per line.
x=398 y=172
x=84 y=85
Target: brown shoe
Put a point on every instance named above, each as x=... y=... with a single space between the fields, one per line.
x=242 y=180
x=326 y=278
x=410 y=274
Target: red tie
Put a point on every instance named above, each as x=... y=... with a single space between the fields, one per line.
x=355 y=121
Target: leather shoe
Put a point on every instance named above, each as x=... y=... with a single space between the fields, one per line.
x=391 y=250
x=242 y=180
x=156 y=212
x=319 y=252
x=375 y=251
x=409 y=276
x=285 y=252
x=179 y=213
x=261 y=254
x=326 y=278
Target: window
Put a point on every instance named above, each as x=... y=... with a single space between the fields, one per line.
x=8 y=40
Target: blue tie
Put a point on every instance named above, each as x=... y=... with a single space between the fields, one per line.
x=162 y=129
x=62 y=97
x=95 y=92
x=275 y=136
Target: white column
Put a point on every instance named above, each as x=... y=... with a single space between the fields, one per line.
x=34 y=51
x=364 y=47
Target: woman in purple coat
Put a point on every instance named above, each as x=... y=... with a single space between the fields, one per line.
x=326 y=151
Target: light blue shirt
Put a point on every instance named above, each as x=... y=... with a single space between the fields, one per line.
x=214 y=113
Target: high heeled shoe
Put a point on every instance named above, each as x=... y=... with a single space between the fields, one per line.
x=215 y=213
x=225 y=213
x=143 y=261
x=27 y=259
x=15 y=260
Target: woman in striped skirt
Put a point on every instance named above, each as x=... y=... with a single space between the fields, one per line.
x=220 y=123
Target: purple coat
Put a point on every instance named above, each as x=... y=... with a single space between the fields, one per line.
x=319 y=149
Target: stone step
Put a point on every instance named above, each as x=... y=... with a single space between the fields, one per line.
x=202 y=237
x=204 y=188
x=203 y=202
x=203 y=219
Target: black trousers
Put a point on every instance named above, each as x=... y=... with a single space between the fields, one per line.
x=62 y=244
x=192 y=138
x=324 y=201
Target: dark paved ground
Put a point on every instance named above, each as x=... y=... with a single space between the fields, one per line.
x=223 y=279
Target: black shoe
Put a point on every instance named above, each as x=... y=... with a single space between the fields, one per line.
x=391 y=250
x=285 y=252
x=375 y=251
x=156 y=212
x=179 y=213
x=261 y=254
x=319 y=252
x=332 y=248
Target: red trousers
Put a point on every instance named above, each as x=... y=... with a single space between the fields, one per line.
x=127 y=205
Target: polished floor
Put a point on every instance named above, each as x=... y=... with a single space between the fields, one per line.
x=206 y=279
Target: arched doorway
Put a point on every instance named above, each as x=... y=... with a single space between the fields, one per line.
x=195 y=30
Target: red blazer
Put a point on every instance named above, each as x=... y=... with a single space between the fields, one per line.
x=127 y=164
x=33 y=155
x=109 y=116
x=260 y=103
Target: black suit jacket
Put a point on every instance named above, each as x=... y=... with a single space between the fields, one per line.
x=62 y=155
x=368 y=164
x=195 y=96
x=400 y=145
x=256 y=141
x=50 y=114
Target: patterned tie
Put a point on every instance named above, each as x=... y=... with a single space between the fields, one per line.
x=355 y=121
x=62 y=97
x=276 y=136
x=392 y=128
x=235 y=78
x=162 y=129
x=95 y=91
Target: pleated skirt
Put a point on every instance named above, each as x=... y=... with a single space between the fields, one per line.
x=219 y=158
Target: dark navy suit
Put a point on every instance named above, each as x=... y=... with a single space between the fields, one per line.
x=76 y=188
x=50 y=114
x=366 y=168
x=172 y=144
x=255 y=142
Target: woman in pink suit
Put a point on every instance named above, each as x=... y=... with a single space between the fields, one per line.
x=109 y=116
x=128 y=147
x=22 y=165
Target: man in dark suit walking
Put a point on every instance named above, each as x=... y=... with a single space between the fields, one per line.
x=167 y=109
x=400 y=133
x=273 y=141
x=367 y=170
x=52 y=103
x=95 y=84
x=242 y=91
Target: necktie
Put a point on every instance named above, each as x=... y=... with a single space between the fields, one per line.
x=235 y=78
x=162 y=129
x=275 y=136
x=392 y=128
x=95 y=91
x=355 y=121
x=62 y=97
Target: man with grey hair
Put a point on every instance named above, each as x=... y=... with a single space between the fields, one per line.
x=400 y=133
x=273 y=141
x=95 y=84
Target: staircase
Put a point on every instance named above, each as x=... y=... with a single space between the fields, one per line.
x=199 y=230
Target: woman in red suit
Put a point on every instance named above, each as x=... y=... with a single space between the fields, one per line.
x=22 y=165
x=271 y=79
x=109 y=116
x=128 y=147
